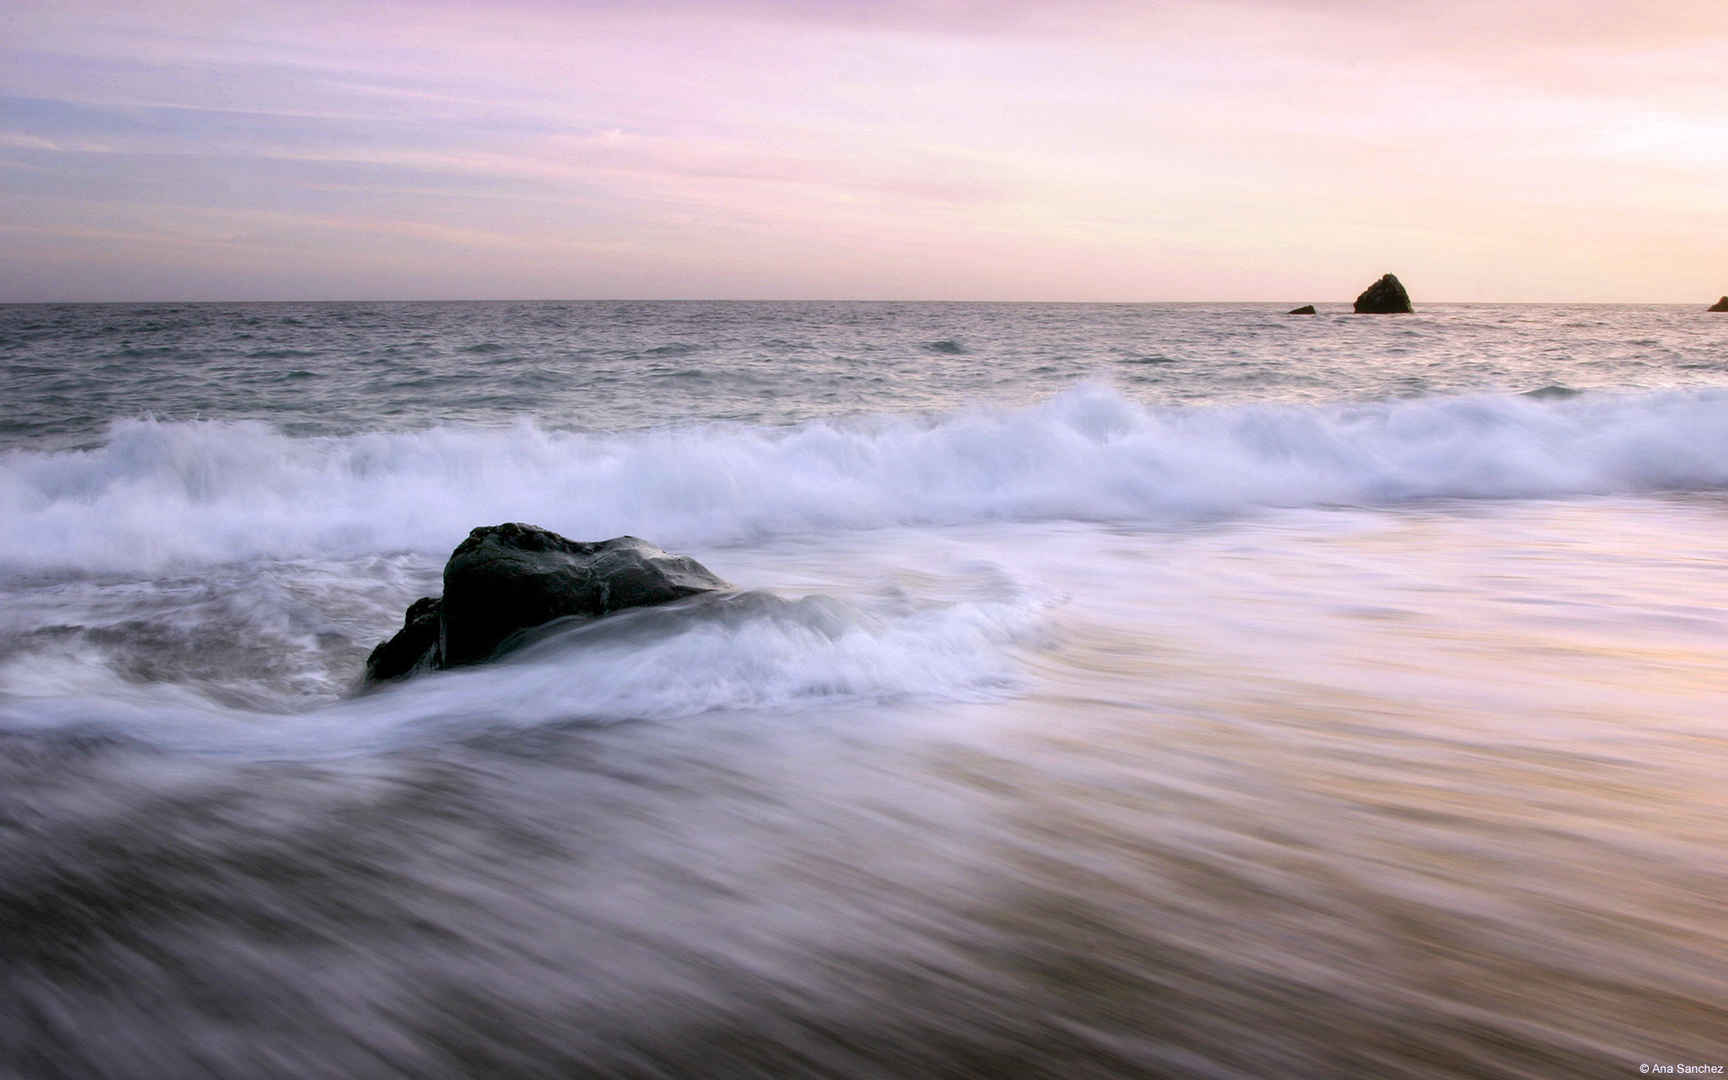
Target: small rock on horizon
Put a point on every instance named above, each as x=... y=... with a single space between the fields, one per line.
x=1384 y=297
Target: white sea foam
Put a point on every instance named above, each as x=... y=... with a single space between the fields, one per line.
x=733 y=652
x=160 y=495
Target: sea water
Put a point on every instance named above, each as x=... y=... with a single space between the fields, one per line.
x=1110 y=690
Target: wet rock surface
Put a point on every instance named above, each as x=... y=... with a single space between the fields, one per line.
x=504 y=579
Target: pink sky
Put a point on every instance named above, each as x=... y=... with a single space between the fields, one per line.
x=1250 y=150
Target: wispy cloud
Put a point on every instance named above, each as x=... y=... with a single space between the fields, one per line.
x=773 y=147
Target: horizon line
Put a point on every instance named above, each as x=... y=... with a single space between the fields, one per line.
x=829 y=300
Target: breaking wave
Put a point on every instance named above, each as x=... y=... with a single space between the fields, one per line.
x=744 y=651
x=159 y=495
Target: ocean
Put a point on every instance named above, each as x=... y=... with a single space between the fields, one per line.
x=1112 y=690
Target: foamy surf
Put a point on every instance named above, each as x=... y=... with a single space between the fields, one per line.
x=1064 y=730
x=729 y=652
x=159 y=495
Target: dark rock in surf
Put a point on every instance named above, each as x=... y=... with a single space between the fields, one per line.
x=1305 y=309
x=1720 y=305
x=1384 y=297
x=413 y=648
x=504 y=579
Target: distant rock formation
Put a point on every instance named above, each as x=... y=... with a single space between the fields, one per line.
x=1720 y=305
x=1384 y=297
x=507 y=578
x=1305 y=309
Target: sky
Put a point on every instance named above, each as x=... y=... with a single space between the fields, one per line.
x=1256 y=150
